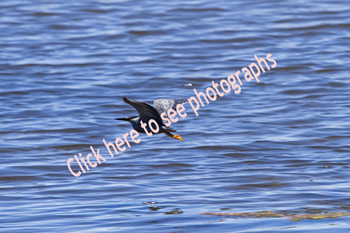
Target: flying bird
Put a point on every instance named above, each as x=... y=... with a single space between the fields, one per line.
x=147 y=112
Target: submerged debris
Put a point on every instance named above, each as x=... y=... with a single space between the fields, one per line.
x=269 y=214
x=150 y=202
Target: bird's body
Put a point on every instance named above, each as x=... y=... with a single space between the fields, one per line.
x=147 y=113
x=136 y=124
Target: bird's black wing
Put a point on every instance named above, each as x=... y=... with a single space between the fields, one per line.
x=146 y=111
x=163 y=105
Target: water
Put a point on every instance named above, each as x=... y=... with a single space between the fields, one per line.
x=280 y=145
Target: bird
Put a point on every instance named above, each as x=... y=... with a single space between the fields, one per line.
x=147 y=112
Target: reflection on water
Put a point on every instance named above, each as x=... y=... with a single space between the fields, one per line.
x=280 y=145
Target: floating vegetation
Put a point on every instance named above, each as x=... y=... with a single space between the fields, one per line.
x=174 y=211
x=318 y=216
x=259 y=214
x=271 y=214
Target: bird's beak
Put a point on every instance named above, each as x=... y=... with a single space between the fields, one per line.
x=122 y=119
x=174 y=136
x=177 y=137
